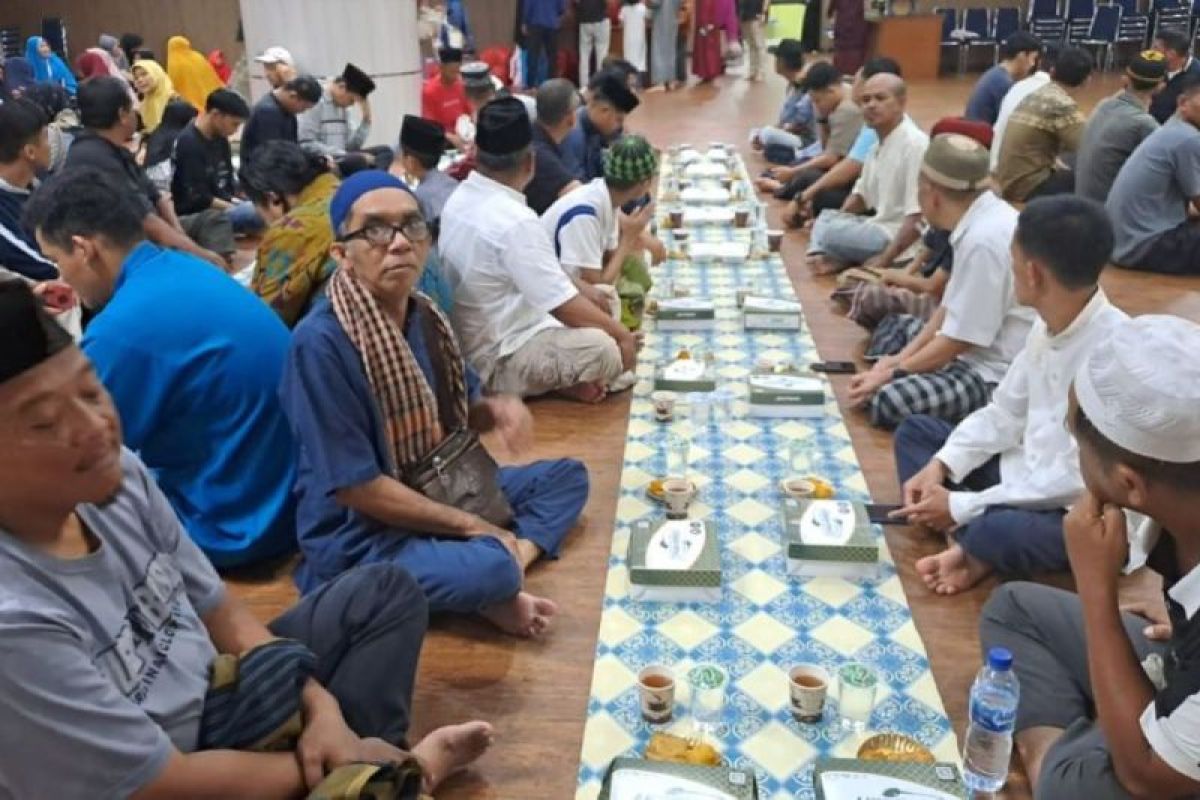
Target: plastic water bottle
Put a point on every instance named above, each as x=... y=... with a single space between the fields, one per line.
x=994 y=697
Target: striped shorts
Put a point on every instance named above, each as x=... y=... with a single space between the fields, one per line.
x=951 y=393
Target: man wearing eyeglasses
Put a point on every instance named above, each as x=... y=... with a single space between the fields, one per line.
x=374 y=383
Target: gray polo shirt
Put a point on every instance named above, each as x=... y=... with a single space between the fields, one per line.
x=1117 y=127
x=1153 y=189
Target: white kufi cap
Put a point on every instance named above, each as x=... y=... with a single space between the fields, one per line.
x=1140 y=387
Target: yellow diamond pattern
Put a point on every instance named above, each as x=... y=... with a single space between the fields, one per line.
x=742 y=454
x=777 y=750
x=764 y=633
x=842 y=635
x=747 y=482
x=768 y=685
x=604 y=740
x=611 y=678
x=688 y=629
x=835 y=592
x=755 y=548
x=617 y=626
x=758 y=587
x=631 y=508
x=636 y=451
x=750 y=512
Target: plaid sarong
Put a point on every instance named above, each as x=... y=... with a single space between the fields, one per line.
x=951 y=393
x=406 y=401
x=871 y=303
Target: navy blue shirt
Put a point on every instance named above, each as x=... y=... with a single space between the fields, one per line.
x=989 y=91
x=192 y=361
x=19 y=250
x=583 y=149
x=550 y=173
x=335 y=418
x=543 y=13
x=268 y=121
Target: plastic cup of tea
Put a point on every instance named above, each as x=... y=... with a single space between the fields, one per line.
x=664 y=404
x=741 y=217
x=656 y=693
x=775 y=240
x=808 y=689
x=676 y=219
x=677 y=493
x=857 y=684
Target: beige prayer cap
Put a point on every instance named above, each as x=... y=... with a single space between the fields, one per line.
x=1140 y=387
x=956 y=162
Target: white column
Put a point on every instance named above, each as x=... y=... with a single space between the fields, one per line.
x=378 y=36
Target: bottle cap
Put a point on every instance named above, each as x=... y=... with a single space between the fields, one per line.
x=1000 y=659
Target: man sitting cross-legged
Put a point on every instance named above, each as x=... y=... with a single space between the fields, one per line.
x=1110 y=704
x=1001 y=481
x=841 y=120
x=526 y=327
x=887 y=186
x=112 y=620
x=597 y=242
x=374 y=382
x=965 y=348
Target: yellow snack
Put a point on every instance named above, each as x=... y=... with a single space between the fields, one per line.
x=677 y=750
x=895 y=748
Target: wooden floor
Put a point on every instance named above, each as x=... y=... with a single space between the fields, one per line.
x=536 y=693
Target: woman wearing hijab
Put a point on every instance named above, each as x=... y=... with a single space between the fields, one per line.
x=160 y=145
x=193 y=77
x=111 y=45
x=217 y=59
x=18 y=77
x=95 y=62
x=47 y=66
x=131 y=44
x=712 y=17
x=663 y=41
x=156 y=90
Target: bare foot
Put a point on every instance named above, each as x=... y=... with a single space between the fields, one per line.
x=585 y=392
x=951 y=571
x=770 y=185
x=452 y=749
x=528 y=553
x=820 y=265
x=526 y=615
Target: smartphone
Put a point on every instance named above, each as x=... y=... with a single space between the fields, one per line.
x=879 y=513
x=634 y=206
x=835 y=367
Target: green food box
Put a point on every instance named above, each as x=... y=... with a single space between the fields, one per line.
x=854 y=779
x=770 y=314
x=675 y=561
x=829 y=538
x=786 y=396
x=685 y=314
x=638 y=779
x=685 y=375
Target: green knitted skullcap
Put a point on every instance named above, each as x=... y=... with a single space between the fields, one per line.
x=630 y=160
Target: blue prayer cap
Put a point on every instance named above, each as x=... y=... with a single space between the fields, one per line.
x=356 y=186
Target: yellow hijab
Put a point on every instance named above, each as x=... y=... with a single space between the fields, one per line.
x=193 y=76
x=157 y=98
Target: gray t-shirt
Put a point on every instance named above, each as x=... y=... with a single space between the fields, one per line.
x=1153 y=189
x=1117 y=127
x=105 y=659
x=844 y=125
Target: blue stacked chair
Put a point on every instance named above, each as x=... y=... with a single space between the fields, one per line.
x=977 y=31
x=1080 y=14
x=1135 y=24
x=1102 y=33
x=1007 y=21
x=949 y=26
x=1170 y=15
x=1046 y=21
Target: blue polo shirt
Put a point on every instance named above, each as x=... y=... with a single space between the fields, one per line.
x=335 y=418
x=193 y=361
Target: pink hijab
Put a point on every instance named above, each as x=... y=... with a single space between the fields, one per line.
x=94 y=62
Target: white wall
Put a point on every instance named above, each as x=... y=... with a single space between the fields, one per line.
x=378 y=36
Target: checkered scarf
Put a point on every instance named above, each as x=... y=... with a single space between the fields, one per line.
x=630 y=160
x=406 y=402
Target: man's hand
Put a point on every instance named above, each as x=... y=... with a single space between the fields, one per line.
x=213 y=258
x=57 y=296
x=1097 y=544
x=658 y=250
x=897 y=277
x=328 y=743
x=864 y=385
x=364 y=107
x=932 y=509
x=632 y=225
x=1155 y=612
x=933 y=475
x=511 y=422
x=879 y=262
x=597 y=296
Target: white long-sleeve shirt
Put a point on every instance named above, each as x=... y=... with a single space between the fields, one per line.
x=1025 y=423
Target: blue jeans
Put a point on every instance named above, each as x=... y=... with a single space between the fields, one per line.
x=847 y=238
x=245 y=219
x=1012 y=541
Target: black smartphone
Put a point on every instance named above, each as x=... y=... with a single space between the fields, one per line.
x=634 y=206
x=835 y=367
x=879 y=513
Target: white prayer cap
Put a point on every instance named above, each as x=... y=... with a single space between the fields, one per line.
x=1140 y=387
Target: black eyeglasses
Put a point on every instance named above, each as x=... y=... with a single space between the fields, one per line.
x=381 y=234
